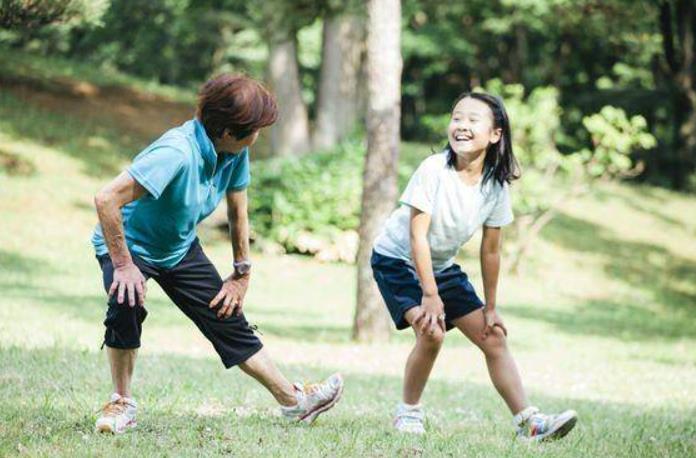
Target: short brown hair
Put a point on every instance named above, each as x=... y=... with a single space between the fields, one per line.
x=236 y=103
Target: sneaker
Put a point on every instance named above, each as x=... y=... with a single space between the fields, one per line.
x=533 y=425
x=314 y=399
x=409 y=419
x=117 y=415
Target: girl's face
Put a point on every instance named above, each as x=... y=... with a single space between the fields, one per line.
x=471 y=127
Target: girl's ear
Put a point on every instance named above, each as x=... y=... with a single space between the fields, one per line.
x=495 y=135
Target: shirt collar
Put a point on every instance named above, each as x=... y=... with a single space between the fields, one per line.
x=206 y=146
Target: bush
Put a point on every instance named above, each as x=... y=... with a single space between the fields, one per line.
x=306 y=203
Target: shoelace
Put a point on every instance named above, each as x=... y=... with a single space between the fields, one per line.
x=409 y=418
x=412 y=415
x=323 y=390
x=115 y=407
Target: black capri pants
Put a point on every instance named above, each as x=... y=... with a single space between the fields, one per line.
x=191 y=285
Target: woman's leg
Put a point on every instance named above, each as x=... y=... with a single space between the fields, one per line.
x=501 y=366
x=420 y=361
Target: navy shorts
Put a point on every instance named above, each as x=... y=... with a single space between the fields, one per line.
x=191 y=285
x=401 y=290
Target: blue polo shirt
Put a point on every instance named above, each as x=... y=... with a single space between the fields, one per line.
x=185 y=180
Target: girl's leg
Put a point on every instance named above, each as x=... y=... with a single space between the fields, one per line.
x=420 y=361
x=501 y=366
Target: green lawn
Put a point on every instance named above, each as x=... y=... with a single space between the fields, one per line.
x=602 y=319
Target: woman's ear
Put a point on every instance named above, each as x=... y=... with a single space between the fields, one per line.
x=495 y=135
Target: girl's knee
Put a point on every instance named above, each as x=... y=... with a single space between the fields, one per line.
x=495 y=343
x=432 y=341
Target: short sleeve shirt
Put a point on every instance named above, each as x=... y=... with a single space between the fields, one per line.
x=456 y=210
x=185 y=180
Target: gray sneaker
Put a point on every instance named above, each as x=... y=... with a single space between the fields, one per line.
x=314 y=399
x=533 y=425
x=409 y=419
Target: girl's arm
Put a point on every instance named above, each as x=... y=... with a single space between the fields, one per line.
x=432 y=308
x=490 y=268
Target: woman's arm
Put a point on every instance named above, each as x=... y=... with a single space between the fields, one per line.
x=432 y=308
x=127 y=277
x=238 y=218
x=230 y=299
x=490 y=269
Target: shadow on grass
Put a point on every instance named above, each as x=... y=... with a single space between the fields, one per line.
x=609 y=319
x=18 y=271
x=192 y=406
x=647 y=267
x=652 y=200
x=332 y=333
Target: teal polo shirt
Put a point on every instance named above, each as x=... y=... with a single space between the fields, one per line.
x=185 y=180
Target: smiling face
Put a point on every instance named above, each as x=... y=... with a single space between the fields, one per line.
x=471 y=127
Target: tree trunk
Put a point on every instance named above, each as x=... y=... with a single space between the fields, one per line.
x=384 y=66
x=678 y=28
x=338 y=99
x=290 y=134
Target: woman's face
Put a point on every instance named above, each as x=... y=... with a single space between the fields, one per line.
x=471 y=127
x=228 y=143
x=250 y=139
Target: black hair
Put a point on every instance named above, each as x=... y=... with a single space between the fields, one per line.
x=499 y=163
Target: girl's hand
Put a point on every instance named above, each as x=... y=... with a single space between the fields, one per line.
x=432 y=314
x=492 y=319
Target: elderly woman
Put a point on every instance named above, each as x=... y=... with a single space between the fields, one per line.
x=147 y=229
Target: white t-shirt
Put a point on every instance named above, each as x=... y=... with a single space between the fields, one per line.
x=456 y=210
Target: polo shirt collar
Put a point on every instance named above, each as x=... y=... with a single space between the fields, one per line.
x=206 y=146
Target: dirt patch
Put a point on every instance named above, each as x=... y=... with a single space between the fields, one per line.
x=140 y=114
x=15 y=165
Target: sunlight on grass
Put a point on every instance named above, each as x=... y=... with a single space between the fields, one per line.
x=602 y=319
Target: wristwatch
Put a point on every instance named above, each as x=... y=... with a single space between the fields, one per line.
x=242 y=268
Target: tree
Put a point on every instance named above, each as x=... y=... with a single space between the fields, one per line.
x=33 y=14
x=279 y=21
x=338 y=100
x=384 y=66
x=678 y=28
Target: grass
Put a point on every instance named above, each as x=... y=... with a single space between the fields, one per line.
x=602 y=319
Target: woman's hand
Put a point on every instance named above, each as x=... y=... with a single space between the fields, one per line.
x=231 y=294
x=491 y=320
x=128 y=280
x=432 y=314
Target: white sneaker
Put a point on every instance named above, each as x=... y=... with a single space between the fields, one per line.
x=409 y=419
x=117 y=416
x=314 y=399
x=533 y=425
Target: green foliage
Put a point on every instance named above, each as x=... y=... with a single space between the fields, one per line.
x=317 y=193
x=169 y=41
x=614 y=138
x=32 y=14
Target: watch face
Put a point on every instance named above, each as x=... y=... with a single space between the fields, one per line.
x=242 y=268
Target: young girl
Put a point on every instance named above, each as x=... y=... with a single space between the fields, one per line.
x=449 y=197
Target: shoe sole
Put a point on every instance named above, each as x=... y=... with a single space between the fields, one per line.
x=105 y=428
x=311 y=416
x=561 y=431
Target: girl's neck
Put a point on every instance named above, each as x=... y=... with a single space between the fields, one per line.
x=470 y=166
